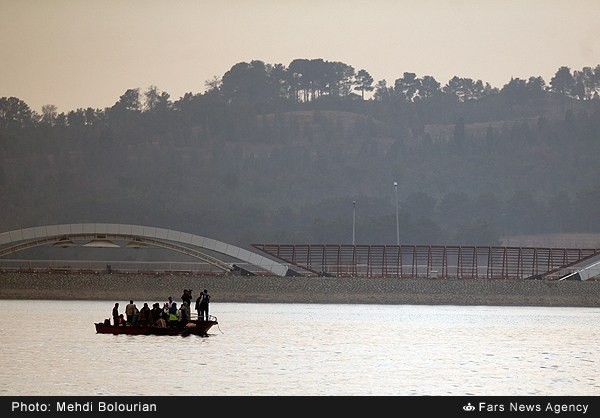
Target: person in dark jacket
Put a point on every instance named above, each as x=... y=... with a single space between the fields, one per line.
x=157 y=312
x=115 y=315
x=187 y=296
x=184 y=314
x=145 y=317
x=204 y=301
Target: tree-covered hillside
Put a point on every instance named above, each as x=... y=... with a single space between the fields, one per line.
x=270 y=153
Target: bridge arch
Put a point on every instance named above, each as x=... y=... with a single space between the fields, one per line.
x=186 y=243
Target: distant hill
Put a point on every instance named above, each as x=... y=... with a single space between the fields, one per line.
x=468 y=173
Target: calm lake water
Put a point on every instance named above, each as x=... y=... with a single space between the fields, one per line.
x=51 y=348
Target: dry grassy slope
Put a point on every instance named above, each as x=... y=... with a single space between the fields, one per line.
x=316 y=119
x=552 y=109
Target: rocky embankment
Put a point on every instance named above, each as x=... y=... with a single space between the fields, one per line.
x=267 y=289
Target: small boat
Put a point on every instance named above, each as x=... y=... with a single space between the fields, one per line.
x=194 y=327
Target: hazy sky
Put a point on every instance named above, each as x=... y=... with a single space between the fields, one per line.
x=87 y=53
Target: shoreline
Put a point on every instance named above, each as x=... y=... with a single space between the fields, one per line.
x=272 y=289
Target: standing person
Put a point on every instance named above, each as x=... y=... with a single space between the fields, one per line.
x=115 y=315
x=184 y=313
x=145 y=317
x=187 y=296
x=204 y=305
x=136 y=315
x=129 y=311
x=168 y=304
x=197 y=306
x=173 y=315
x=156 y=312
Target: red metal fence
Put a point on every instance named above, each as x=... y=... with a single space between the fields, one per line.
x=430 y=261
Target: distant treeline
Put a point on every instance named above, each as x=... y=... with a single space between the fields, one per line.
x=265 y=88
x=270 y=153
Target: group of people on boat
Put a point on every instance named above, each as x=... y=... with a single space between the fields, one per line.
x=167 y=315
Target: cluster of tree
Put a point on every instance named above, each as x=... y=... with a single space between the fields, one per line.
x=266 y=87
x=275 y=154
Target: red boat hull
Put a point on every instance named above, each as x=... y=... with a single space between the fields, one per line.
x=193 y=328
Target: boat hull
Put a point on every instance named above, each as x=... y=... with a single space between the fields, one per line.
x=193 y=328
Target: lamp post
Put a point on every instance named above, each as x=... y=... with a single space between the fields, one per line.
x=397 y=223
x=353 y=221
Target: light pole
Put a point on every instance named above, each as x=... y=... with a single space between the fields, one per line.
x=397 y=224
x=353 y=220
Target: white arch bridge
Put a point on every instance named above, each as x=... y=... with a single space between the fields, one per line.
x=135 y=236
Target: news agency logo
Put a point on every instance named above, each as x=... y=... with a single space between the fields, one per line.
x=468 y=407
